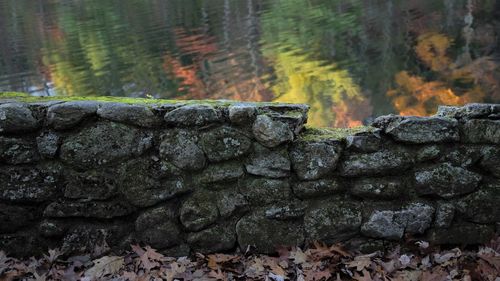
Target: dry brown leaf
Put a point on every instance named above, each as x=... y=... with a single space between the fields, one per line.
x=216 y=259
x=365 y=277
x=104 y=266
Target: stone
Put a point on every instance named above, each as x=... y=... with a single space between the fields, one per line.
x=141 y=185
x=138 y=115
x=94 y=240
x=482 y=206
x=481 y=131
x=224 y=143
x=230 y=202
x=461 y=234
x=446 y=181
x=413 y=129
x=265 y=235
x=384 y=162
x=378 y=188
x=468 y=111
x=219 y=238
x=199 y=211
x=30 y=184
x=48 y=144
x=52 y=228
x=90 y=185
x=260 y=191
x=463 y=155
x=268 y=163
x=285 y=211
x=314 y=160
x=418 y=217
x=331 y=221
x=104 y=143
x=365 y=143
x=66 y=115
x=294 y=115
x=17 y=118
x=23 y=244
x=181 y=149
x=242 y=114
x=445 y=212
x=157 y=228
x=491 y=161
x=14 y=217
x=221 y=172
x=271 y=133
x=193 y=115
x=18 y=151
x=318 y=188
x=428 y=152
x=89 y=209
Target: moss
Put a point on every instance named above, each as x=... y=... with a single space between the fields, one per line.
x=317 y=134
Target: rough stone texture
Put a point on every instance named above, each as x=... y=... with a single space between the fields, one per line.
x=446 y=181
x=94 y=177
x=271 y=133
x=139 y=115
x=15 y=118
x=192 y=115
x=423 y=129
x=224 y=143
x=268 y=163
x=314 y=160
x=181 y=148
x=66 y=115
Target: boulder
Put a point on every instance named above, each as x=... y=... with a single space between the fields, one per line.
x=445 y=213
x=138 y=115
x=216 y=239
x=481 y=131
x=242 y=114
x=314 y=160
x=104 y=143
x=271 y=133
x=268 y=163
x=88 y=209
x=318 y=188
x=230 y=202
x=482 y=206
x=221 y=172
x=378 y=188
x=157 y=228
x=265 y=235
x=66 y=115
x=461 y=234
x=491 y=160
x=14 y=217
x=468 y=111
x=224 y=143
x=48 y=144
x=446 y=181
x=193 y=115
x=17 y=118
x=181 y=149
x=413 y=129
x=18 y=151
x=285 y=210
x=365 y=143
x=384 y=162
x=261 y=191
x=90 y=185
x=199 y=211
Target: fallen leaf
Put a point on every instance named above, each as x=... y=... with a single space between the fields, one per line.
x=104 y=266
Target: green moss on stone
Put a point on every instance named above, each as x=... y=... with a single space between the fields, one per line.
x=318 y=134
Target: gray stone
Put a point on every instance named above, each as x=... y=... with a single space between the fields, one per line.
x=271 y=133
x=193 y=115
x=285 y=211
x=428 y=152
x=313 y=160
x=378 y=188
x=462 y=155
x=331 y=221
x=242 y=114
x=491 y=161
x=52 y=228
x=423 y=129
x=418 y=217
x=294 y=115
x=89 y=209
x=481 y=131
x=221 y=172
x=469 y=111
x=181 y=149
x=18 y=151
x=461 y=234
x=318 y=188
x=48 y=144
x=68 y=114
x=140 y=184
x=260 y=191
x=364 y=143
x=138 y=115
x=29 y=184
x=104 y=143
x=268 y=163
x=16 y=118
x=156 y=227
x=94 y=240
x=219 y=238
x=446 y=181
x=199 y=211
x=231 y=202
x=265 y=235
x=14 y=217
x=384 y=162
x=445 y=213
x=224 y=143
x=90 y=185
x=482 y=206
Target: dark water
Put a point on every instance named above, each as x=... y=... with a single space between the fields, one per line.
x=349 y=59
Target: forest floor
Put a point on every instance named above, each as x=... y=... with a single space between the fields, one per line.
x=318 y=262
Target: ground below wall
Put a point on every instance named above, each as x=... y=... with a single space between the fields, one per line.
x=95 y=176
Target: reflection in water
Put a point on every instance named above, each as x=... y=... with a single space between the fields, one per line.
x=350 y=60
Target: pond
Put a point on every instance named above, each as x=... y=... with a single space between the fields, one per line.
x=351 y=60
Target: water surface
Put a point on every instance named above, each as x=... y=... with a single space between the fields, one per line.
x=351 y=60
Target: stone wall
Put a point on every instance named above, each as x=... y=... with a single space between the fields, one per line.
x=90 y=176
